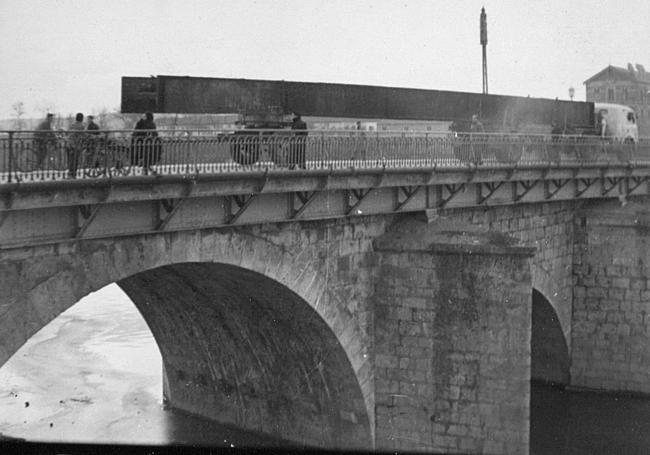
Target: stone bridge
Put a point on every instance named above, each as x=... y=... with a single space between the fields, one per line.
x=416 y=331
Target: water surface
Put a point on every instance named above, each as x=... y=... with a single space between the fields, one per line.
x=94 y=375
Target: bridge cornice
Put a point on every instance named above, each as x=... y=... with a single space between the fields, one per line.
x=61 y=193
x=85 y=209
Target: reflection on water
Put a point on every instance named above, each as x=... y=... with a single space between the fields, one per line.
x=95 y=375
x=585 y=423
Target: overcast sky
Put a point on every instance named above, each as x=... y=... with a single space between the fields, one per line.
x=69 y=55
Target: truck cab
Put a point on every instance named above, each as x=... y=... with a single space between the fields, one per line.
x=616 y=121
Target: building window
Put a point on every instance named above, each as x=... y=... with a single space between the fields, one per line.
x=625 y=94
x=610 y=94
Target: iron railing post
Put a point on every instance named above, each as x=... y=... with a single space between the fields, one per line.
x=114 y=159
x=11 y=155
x=191 y=152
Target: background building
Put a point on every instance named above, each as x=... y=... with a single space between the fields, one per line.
x=629 y=86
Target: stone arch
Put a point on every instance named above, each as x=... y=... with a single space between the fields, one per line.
x=242 y=349
x=549 y=349
x=558 y=296
x=49 y=280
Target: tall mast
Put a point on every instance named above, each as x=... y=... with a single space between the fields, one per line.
x=484 y=46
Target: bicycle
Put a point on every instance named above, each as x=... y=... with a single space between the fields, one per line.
x=105 y=157
x=32 y=156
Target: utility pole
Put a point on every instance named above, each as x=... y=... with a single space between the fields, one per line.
x=484 y=45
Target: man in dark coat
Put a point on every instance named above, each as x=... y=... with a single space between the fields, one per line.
x=76 y=145
x=298 y=150
x=146 y=144
x=92 y=127
x=44 y=138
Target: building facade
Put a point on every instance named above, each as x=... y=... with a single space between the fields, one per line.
x=630 y=87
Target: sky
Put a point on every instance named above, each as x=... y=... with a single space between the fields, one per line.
x=68 y=56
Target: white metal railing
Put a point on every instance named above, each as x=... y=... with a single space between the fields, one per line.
x=52 y=155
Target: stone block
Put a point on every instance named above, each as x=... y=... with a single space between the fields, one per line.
x=424 y=315
x=386 y=361
x=386 y=386
x=623 y=283
x=596 y=292
x=457 y=430
x=408 y=328
x=408 y=388
x=469 y=445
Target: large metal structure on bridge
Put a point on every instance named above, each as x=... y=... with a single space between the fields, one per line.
x=184 y=94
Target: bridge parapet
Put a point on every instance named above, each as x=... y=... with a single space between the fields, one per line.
x=32 y=156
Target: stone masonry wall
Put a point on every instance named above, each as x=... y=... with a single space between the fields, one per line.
x=452 y=340
x=549 y=228
x=611 y=317
x=328 y=264
x=394 y=299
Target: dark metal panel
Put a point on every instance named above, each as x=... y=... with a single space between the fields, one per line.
x=184 y=94
x=208 y=95
x=140 y=94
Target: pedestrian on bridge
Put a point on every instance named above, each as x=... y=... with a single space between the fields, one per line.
x=92 y=127
x=146 y=144
x=93 y=139
x=298 y=157
x=43 y=139
x=478 y=140
x=476 y=126
x=76 y=144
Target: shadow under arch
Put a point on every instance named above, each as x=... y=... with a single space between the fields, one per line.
x=549 y=351
x=243 y=349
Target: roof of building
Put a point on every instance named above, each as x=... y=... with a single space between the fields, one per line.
x=630 y=74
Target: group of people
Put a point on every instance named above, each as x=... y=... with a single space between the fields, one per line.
x=146 y=146
x=45 y=139
x=82 y=138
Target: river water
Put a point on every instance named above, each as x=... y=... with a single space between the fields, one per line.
x=94 y=375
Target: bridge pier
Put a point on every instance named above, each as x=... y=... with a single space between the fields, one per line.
x=452 y=341
x=611 y=302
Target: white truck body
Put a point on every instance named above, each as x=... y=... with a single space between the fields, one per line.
x=617 y=121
